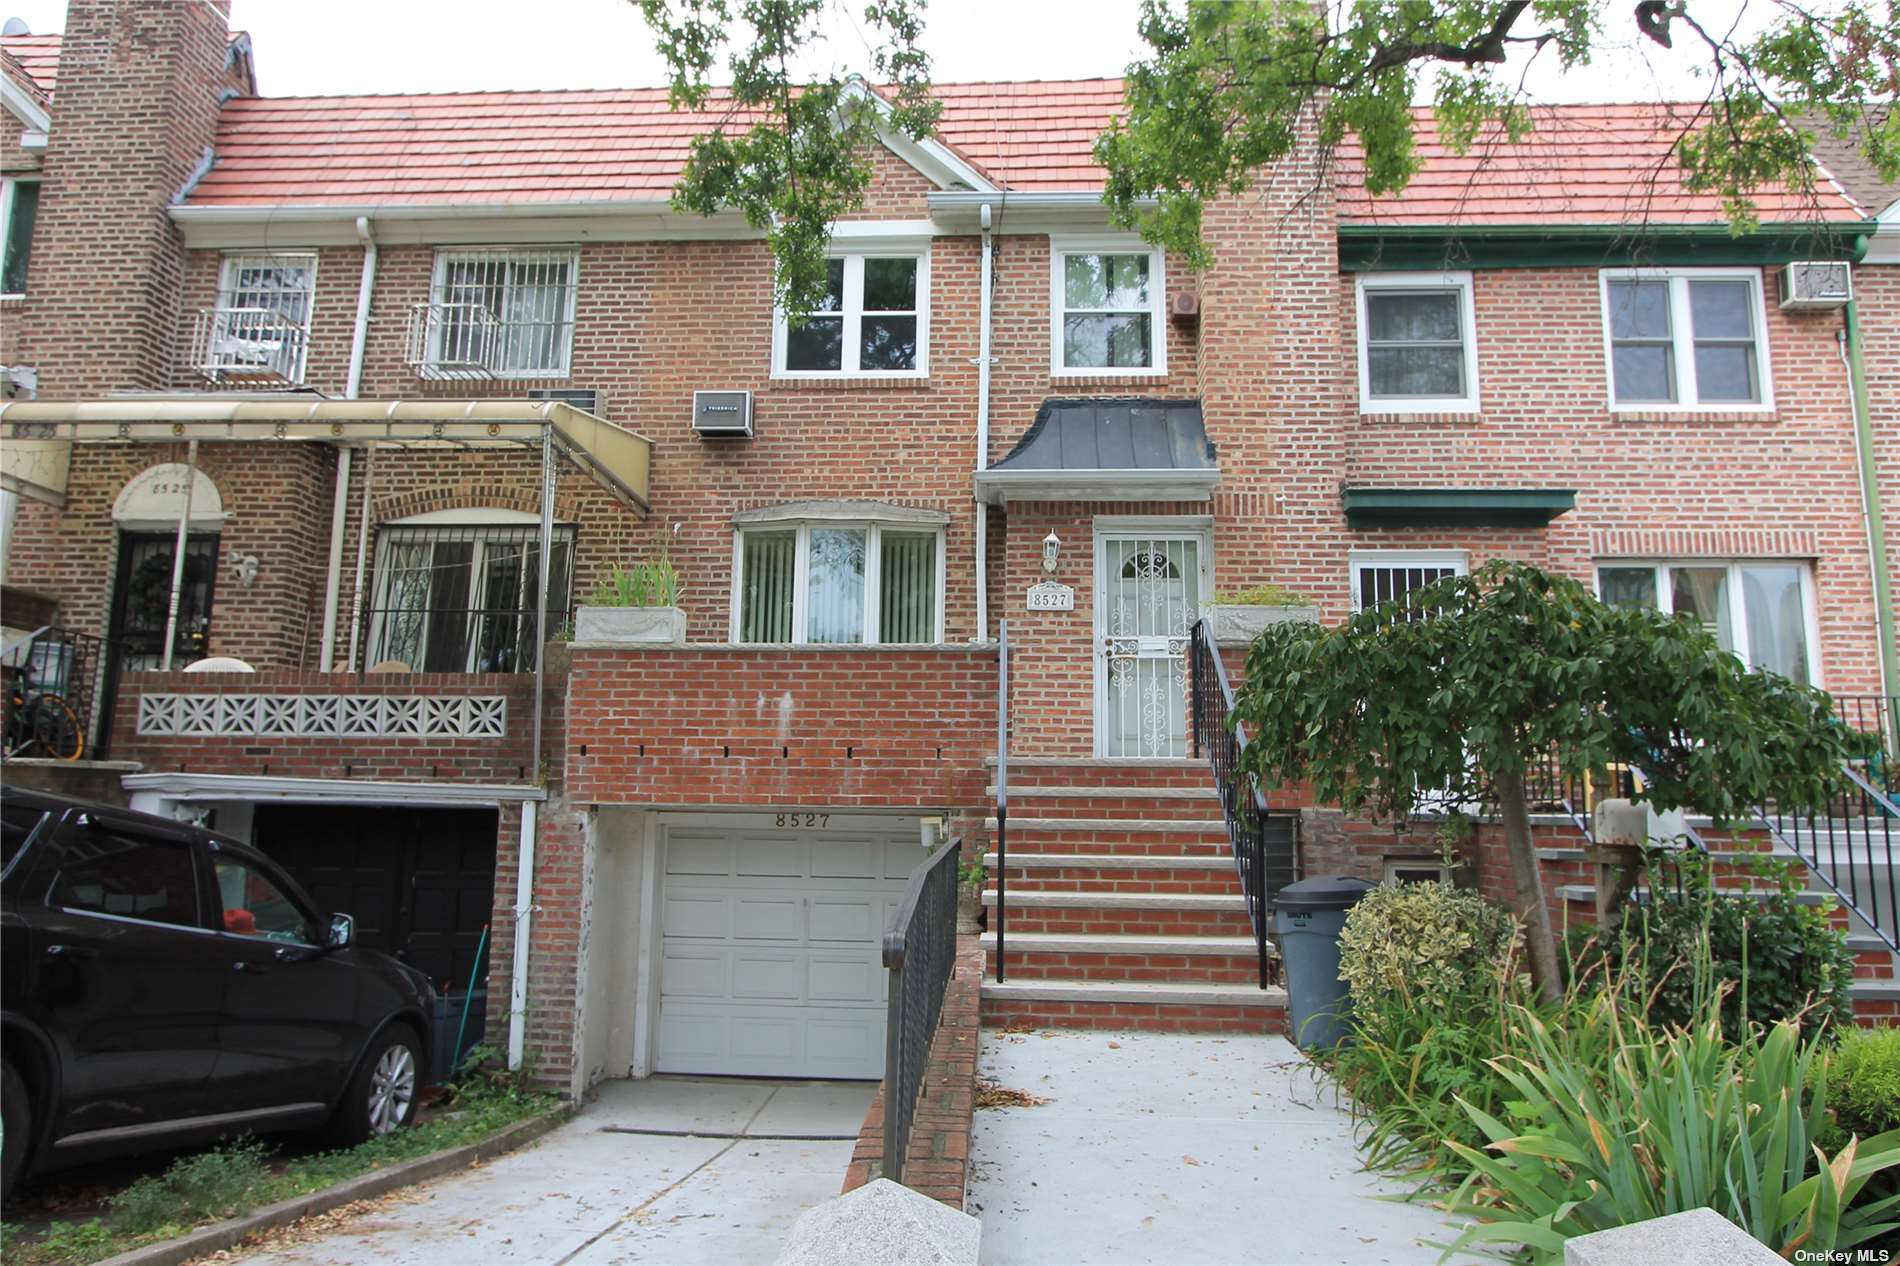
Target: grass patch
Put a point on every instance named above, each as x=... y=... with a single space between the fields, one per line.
x=241 y=1176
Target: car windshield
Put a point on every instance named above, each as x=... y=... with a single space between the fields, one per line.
x=16 y=824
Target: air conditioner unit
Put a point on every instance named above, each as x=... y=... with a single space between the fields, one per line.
x=584 y=399
x=1815 y=287
x=725 y=415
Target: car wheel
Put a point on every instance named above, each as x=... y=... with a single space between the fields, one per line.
x=386 y=1091
x=16 y=1128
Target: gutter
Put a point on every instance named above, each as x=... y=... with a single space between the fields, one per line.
x=524 y=908
x=1873 y=513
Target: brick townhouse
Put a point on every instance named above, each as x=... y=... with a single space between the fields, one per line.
x=380 y=356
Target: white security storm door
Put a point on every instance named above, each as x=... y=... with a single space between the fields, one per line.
x=1149 y=588
x=771 y=944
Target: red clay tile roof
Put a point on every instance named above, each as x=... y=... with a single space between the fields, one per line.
x=512 y=147
x=37 y=55
x=1591 y=164
x=1580 y=164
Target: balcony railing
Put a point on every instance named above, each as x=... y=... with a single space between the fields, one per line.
x=465 y=341
x=54 y=680
x=455 y=639
x=248 y=345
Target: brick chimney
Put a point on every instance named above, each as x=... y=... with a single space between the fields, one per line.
x=134 y=116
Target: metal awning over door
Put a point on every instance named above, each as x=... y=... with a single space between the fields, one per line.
x=39 y=434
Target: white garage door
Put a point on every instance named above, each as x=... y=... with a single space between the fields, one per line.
x=771 y=944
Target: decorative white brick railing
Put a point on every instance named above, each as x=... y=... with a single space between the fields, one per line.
x=322 y=716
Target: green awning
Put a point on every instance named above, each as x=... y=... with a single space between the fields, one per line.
x=1455 y=507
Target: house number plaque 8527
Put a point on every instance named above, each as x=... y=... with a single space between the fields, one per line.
x=1051 y=596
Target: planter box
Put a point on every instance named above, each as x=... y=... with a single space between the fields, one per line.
x=1238 y=625
x=630 y=626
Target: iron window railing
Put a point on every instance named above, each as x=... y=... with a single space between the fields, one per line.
x=496 y=314
x=462 y=599
x=920 y=950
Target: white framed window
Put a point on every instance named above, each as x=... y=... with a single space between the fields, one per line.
x=502 y=313
x=1387 y=574
x=838 y=583
x=261 y=324
x=1686 y=339
x=19 y=210
x=1761 y=609
x=1417 y=870
x=456 y=591
x=874 y=321
x=1107 y=307
x=1418 y=343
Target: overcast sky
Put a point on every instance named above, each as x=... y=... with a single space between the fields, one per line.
x=351 y=46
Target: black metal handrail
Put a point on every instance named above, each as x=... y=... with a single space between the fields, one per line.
x=920 y=949
x=1875 y=723
x=1002 y=790
x=1849 y=847
x=55 y=682
x=1220 y=738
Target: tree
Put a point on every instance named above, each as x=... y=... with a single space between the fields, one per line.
x=1229 y=89
x=790 y=151
x=1457 y=694
x=1230 y=85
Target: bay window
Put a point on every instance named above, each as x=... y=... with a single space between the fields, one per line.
x=1686 y=338
x=872 y=321
x=1762 y=611
x=832 y=583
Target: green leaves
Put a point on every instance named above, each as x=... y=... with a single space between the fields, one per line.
x=1229 y=90
x=1420 y=704
x=790 y=150
x=1671 y=1120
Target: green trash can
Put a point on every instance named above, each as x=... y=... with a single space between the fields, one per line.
x=1307 y=919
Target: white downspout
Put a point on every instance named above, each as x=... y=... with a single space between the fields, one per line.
x=983 y=437
x=524 y=908
x=339 y=510
x=178 y=557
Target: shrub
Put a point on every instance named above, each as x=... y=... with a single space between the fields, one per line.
x=1677 y=1119
x=1863 y=1081
x=1780 y=959
x=1411 y=946
x=1430 y=969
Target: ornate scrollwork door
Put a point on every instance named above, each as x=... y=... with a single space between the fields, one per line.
x=1150 y=599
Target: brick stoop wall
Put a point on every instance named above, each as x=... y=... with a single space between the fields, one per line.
x=937 y=1162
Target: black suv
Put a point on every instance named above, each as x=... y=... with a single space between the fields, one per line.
x=162 y=986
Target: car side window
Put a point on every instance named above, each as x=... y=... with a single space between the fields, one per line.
x=104 y=871
x=254 y=904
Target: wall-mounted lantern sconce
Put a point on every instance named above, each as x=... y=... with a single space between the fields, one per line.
x=1051 y=550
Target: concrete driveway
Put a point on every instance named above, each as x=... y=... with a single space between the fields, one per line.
x=670 y=1170
x=1172 y=1149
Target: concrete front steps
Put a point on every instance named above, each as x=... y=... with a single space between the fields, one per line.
x=1124 y=911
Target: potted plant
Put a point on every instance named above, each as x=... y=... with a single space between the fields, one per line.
x=971 y=876
x=637 y=605
x=1242 y=615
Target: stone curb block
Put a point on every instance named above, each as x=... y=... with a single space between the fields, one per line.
x=223 y=1235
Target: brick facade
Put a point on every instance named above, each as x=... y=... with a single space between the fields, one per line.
x=1271 y=358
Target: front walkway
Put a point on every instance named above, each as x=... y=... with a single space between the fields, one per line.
x=1175 y=1149
x=589 y=1195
